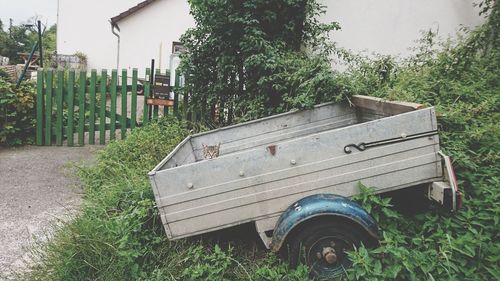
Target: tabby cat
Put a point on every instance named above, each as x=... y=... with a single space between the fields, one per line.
x=210 y=151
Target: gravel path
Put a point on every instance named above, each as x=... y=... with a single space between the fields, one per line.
x=36 y=191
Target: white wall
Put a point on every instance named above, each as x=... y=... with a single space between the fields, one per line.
x=392 y=26
x=382 y=26
x=150 y=32
x=83 y=26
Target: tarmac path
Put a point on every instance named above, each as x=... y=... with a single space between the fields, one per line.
x=37 y=190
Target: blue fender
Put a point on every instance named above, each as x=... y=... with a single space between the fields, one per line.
x=321 y=205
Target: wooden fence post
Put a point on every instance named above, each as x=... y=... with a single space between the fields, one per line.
x=48 y=108
x=93 y=78
x=71 y=107
x=39 y=106
x=123 y=119
x=145 y=116
x=133 y=105
x=114 y=80
x=81 y=107
x=59 y=107
x=102 y=109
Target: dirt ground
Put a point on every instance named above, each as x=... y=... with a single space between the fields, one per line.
x=37 y=190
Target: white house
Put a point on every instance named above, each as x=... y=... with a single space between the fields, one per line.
x=146 y=30
x=122 y=33
x=83 y=26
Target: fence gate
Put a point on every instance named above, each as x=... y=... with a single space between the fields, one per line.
x=71 y=104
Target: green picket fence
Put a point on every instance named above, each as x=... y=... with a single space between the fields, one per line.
x=69 y=104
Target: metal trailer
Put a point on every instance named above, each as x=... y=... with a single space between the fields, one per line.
x=291 y=174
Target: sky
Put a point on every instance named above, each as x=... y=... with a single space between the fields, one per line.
x=21 y=10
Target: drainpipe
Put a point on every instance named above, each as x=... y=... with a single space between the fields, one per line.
x=114 y=27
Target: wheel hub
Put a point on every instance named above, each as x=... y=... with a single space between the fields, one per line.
x=327 y=255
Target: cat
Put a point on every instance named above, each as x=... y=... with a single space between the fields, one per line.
x=210 y=151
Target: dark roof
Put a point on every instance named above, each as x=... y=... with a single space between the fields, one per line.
x=131 y=11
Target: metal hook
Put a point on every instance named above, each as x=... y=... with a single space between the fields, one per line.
x=361 y=147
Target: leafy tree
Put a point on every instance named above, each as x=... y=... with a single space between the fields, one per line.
x=21 y=38
x=256 y=57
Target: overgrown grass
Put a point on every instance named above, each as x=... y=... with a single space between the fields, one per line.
x=118 y=231
x=118 y=235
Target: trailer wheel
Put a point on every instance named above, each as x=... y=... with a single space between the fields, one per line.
x=322 y=246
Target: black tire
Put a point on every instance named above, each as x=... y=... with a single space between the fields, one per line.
x=312 y=245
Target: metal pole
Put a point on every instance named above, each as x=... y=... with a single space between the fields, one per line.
x=10 y=27
x=151 y=78
x=26 y=65
x=40 y=50
x=151 y=81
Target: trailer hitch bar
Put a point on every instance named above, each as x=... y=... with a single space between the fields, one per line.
x=362 y=146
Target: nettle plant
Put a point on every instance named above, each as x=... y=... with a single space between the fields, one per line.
x=256 y=58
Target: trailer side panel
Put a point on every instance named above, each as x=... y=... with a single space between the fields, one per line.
x=255 y=183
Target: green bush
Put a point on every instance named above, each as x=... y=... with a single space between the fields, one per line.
x=262 y=66
x=17 y=113
x=461 y=78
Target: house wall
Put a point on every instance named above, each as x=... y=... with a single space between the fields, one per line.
x=150 y=32
x=83 y=26
x=392 y=26
x=386 y=27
